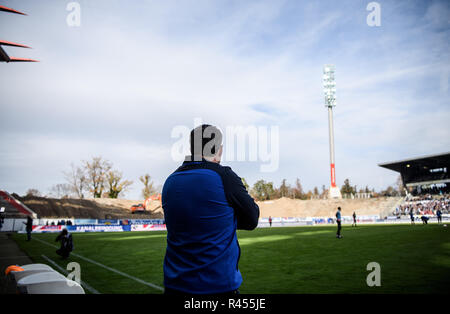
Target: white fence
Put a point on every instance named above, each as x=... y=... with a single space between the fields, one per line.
x=13 y=224
x=18 y=224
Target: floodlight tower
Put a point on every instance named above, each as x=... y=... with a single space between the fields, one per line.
x=329 y=89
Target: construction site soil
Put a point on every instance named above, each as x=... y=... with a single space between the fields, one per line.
x=106 y=208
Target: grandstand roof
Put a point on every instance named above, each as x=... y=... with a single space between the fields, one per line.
x=430 y=161
x=4 y=57
x=431 y=169
x=14 y=207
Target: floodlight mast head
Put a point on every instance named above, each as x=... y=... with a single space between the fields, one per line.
x=329 y=85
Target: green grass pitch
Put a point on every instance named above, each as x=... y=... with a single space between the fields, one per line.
x=413 y=259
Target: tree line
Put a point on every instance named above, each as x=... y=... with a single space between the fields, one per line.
x=263 y=191
x=96 y=178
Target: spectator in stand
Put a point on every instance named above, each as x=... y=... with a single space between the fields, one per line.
x=426 y=205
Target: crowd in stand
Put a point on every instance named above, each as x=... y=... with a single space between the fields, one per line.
x=425 y=205
x=61 y=223
x=434 y=190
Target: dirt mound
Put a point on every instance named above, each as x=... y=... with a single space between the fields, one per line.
x=86 y=208
x=107 y=208
x=286 y=207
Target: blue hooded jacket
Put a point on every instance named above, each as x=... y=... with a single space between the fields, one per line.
x=204 y=203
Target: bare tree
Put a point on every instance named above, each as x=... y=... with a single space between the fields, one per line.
x=33 y=192
x=115 y=183
x=316 y=191
x=96 y=171
x=347 y=188
x=324 y=192
x=148 y=189
x=298 y=190
x=61 y=190
x=77 y=180
x=284 y=189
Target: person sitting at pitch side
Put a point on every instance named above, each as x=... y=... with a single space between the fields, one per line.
x=204 y=204
x=338 y=221
x=66 y=244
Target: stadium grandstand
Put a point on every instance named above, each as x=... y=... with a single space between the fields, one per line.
x=13 y=212
x=424 y=205
x=423 y=175
x=13 y=208
x=427 y=184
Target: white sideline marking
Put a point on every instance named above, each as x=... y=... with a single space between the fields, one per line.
x=108 y=268
x=65 y=272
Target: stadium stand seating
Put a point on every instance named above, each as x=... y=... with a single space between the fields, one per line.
x=13 y=207
x=424 y=205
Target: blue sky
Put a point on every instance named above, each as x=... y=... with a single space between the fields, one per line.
x=117 y=85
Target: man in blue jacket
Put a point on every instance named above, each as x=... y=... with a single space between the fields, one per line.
x=204 y=204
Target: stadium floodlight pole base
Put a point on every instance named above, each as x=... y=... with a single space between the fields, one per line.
x=334 y=192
